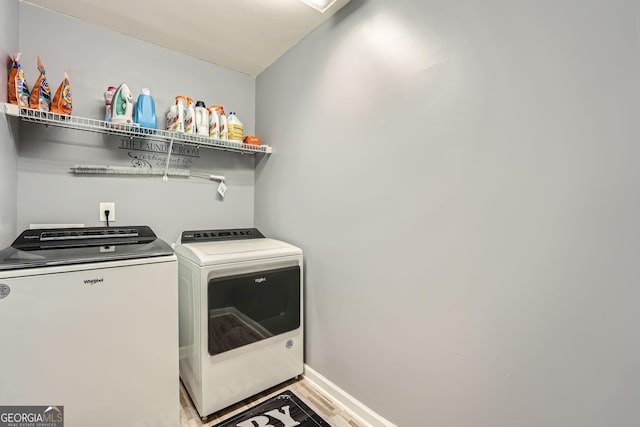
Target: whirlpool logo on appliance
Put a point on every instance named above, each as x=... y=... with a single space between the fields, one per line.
x=93 y=281
x=32 y=416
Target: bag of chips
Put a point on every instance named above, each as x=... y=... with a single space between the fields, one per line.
x=40 y=98
x=62 y=100
x=18 y=92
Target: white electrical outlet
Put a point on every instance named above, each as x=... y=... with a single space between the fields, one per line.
x=108 y=206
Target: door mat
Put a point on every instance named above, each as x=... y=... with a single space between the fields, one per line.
x=283 y=410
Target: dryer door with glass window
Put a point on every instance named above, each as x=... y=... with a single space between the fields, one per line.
x=247 y=308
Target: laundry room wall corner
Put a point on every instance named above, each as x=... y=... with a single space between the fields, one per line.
x=9 y=17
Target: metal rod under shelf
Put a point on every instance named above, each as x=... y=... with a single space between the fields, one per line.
x=127 y=170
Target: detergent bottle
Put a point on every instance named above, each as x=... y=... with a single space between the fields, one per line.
x=190 y=117
x=145 y=110
x=108 y=101
x=172 y=118
x=235 y=129
x=214 y=123
x=122 y=107
x=202 y=119
x=224 y=131
x=181 y=103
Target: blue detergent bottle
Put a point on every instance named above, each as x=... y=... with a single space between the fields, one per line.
x=145 y=111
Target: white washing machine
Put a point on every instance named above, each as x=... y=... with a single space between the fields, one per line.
x=241 y=315
x=88 y=325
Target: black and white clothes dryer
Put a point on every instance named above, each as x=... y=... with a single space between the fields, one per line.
x=241 y=315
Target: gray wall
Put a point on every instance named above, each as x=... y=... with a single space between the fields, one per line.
x=463 y=178
x=8 y=127
x=95 y=58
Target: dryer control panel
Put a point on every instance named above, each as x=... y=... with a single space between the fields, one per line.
x=220 y=235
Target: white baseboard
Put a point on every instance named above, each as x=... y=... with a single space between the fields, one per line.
x=349 y=402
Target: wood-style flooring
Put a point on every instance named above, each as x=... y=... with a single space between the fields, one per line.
x=330 y=411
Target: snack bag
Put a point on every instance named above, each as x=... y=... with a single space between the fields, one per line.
x=18 y=92
x=40 y=98
x=62 y=100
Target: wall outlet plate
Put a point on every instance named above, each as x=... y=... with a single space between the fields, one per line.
x=108 y=206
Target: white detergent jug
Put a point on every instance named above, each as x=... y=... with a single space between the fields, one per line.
x=181 y=102
x=202 y=119
x=236 y=131
x=190 y=117
x=224 y=131
x=173 y=118
x=214 y=123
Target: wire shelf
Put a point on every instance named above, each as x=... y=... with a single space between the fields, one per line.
x=131 y=131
